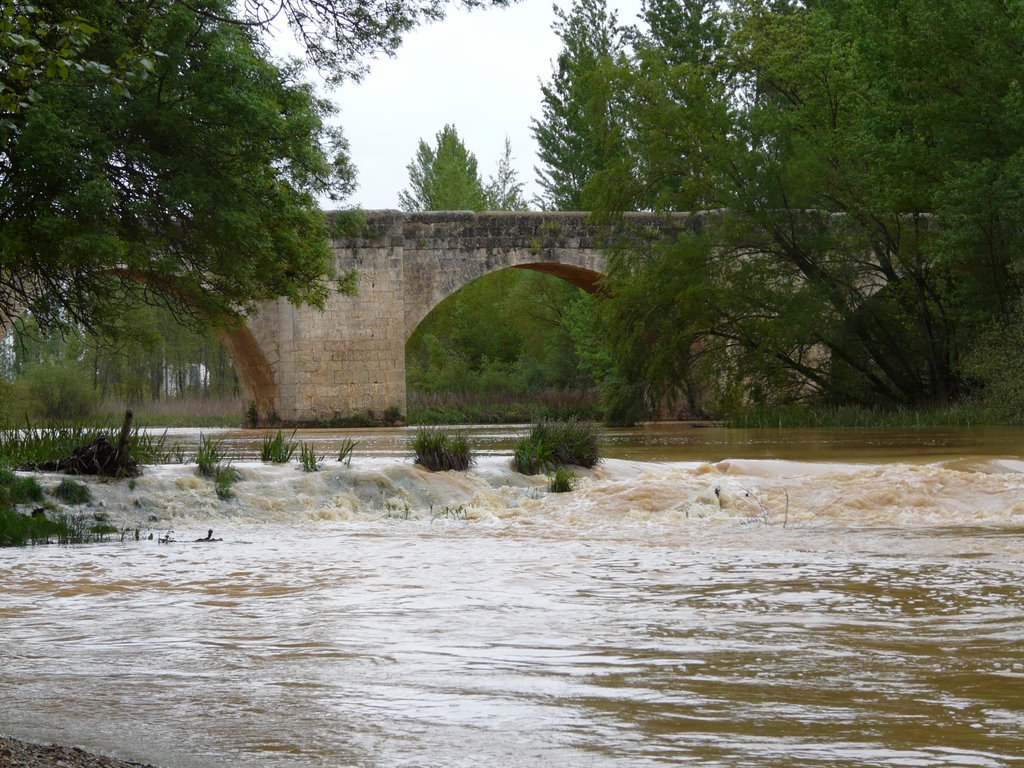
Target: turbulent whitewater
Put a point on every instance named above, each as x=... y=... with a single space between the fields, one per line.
x=822 y=609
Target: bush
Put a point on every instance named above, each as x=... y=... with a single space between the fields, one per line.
x=439 y=450
x=57 y=392
x=553 y=444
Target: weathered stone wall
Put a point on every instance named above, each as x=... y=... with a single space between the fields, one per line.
x=340 y=363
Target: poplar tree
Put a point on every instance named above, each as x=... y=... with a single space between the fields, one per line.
x=443 y=177
x=578 y=133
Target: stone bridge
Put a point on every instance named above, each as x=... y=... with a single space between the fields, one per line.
x=346 y=363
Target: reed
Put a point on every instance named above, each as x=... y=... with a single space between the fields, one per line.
x=18 y=530
x=34 y=445
x=553 y=444
x=209 y=456
x=345 y=452
x=964 y=414
x=277 y=449
x=210 y=411
x=445 y=408
x=440 y=449
x=562 y=480
x=308 y=459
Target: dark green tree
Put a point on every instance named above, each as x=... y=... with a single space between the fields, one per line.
x=199 y=190
x=579 y=131
x=869 y=201
x=444 y=177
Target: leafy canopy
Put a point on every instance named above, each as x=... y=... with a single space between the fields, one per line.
x=199 y=190
x=866 y=160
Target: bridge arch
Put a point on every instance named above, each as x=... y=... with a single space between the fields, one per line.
x=347 y=362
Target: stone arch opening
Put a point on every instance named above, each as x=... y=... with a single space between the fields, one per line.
x=501 y=338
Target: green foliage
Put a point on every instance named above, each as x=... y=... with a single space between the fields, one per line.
x=444 y=178
x=440 y=449
x=504 y=192
x=224 y=478
x=502 y=407
x=308 y=459
x=553 y=444
x=579 y=131
x=503 y=338
x=71 y=492
x=55 y=392
x=277 y=449
x=218 y=154
x=209 y=456
x=18 y=490
x=33 y=445
x=994 y=363
x=562 y=480
x=345 y=451
x=868 y=217
x=17 y=530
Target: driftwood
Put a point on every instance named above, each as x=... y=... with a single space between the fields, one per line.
x=97 y=458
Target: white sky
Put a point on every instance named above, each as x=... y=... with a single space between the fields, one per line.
x=479 y=71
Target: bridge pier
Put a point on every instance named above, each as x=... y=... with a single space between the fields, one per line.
x=344 y=364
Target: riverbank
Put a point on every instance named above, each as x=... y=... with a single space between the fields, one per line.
x=20 y=754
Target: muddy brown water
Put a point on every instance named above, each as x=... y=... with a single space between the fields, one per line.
x=705 y=597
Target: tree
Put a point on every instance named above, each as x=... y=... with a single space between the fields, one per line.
x=199 y=191
x=444 y=178
x=579 y=133
x=504 y=192
x=106 y=199
x=870 y=200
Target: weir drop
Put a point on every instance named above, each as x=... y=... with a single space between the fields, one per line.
x=704 y=597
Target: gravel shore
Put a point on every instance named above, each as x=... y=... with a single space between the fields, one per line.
x=19 y=754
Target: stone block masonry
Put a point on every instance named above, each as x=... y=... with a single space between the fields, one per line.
x=345 y=364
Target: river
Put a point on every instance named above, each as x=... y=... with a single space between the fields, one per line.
x=705 y=597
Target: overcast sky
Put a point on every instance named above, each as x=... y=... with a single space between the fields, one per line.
x=479 y=71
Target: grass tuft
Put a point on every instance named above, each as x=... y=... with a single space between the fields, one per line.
x=440 y=449
x=278 y=449
x=209 y=455
x=553 y=444
x=345 y=452
x=308 y=459
x=71 y=492
x=562 y=480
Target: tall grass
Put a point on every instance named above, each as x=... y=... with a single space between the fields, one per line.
x=438 y=408
x=212 y=411
x=18 y=530
x=439 y=449
x=34 y=445
x=277 y=449
x=308 y=459
x=345 y=451
x=16 y=490
x=553 y=444
x=209 y=456
x=964 y=414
